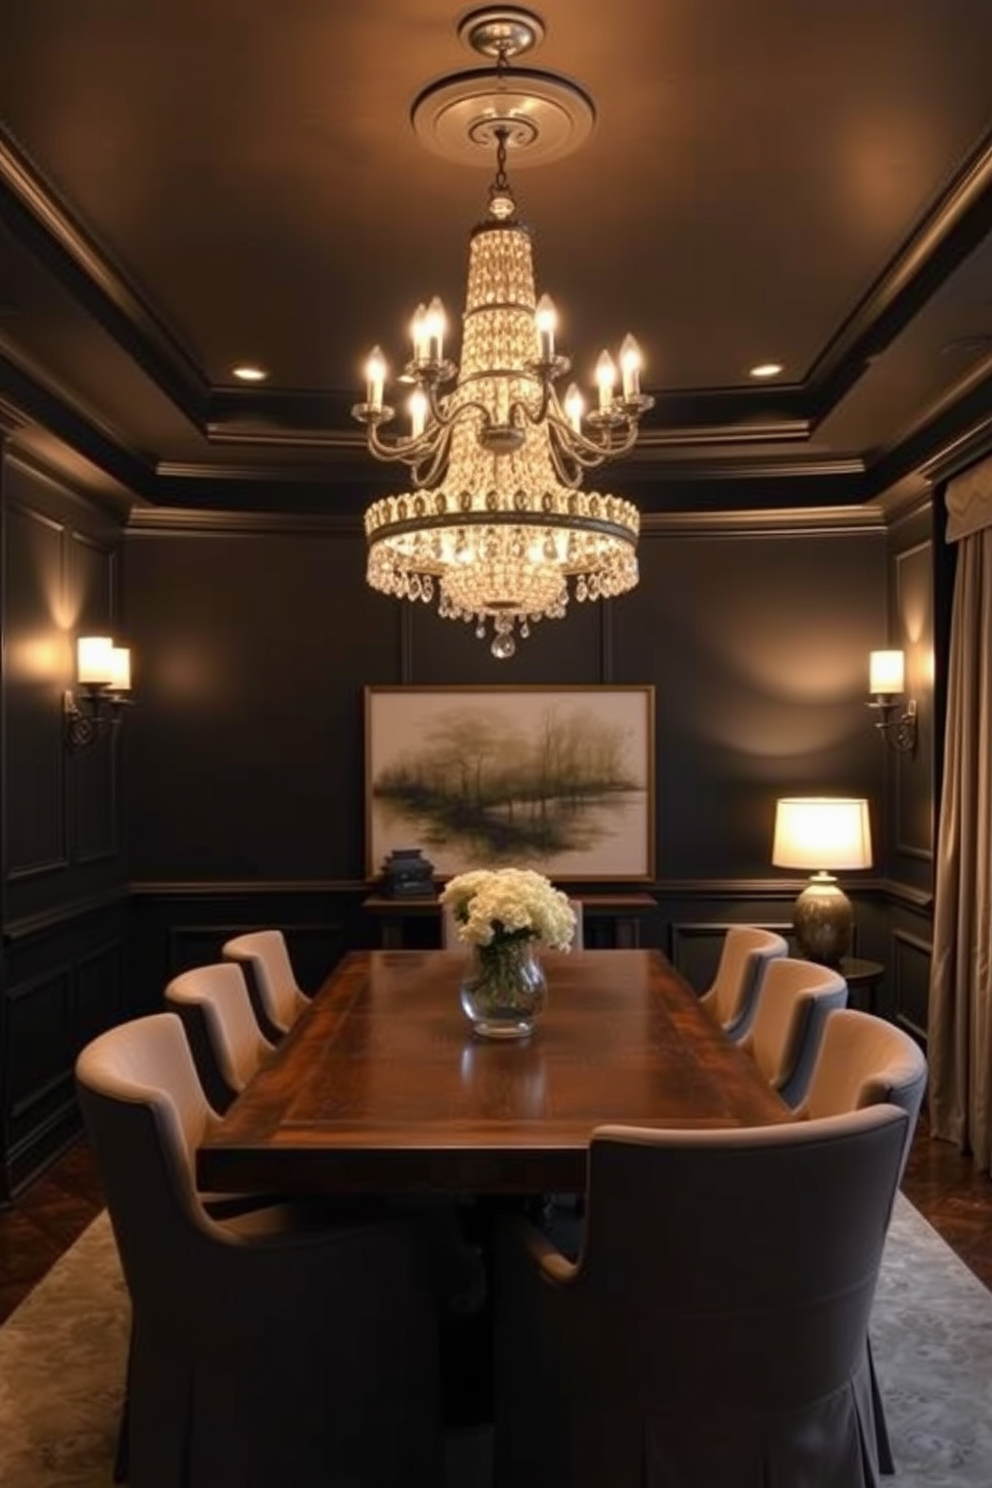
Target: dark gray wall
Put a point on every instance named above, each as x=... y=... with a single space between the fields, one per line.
x=64 y=865
x=246 y=752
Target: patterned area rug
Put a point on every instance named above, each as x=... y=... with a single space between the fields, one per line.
x=62 y=1362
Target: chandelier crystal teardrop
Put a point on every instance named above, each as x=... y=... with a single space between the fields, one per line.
x=497 y=527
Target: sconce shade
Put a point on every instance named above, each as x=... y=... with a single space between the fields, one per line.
x=886 y=673
x=822 y=833
x=120 y=661
x=94 y=661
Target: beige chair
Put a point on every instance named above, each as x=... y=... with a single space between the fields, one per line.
x=864 y=1061
x=227 y=1044
x=452 y=941
x=731 y=997
x=713 y=1332
x=791 y=1007
x=261 y=1354
x=275 y=996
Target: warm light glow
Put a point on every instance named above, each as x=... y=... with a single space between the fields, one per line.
x=822 y=832
x=630 y=367
x=435 y=325
x=418 y=331
x=375 y=378
x=606 y=376
x=546 y=318
x=887 y=673
x=94 y=660
x=120 y=662
x=766 y=369
x=249 y=372
x=574 y=407
x=418 y=413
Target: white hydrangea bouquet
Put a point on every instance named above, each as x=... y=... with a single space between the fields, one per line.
x=493 y=906
x=502 y=915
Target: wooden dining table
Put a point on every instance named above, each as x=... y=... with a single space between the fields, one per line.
x=382 y=1087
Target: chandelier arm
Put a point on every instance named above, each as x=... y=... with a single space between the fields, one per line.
x=533 y=416
x=568 y=470
x=444 y=420
x=409 y=451
x=426 y=474
x=592 y=452
x=435 y=408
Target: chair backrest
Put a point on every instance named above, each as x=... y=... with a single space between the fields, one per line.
x=275 y=996
x=792 y=1005
x=223 y=1033
x=722 y=1237
x=865 y=1061
x=451 y=941
x=731 y=997
x=146 y=1115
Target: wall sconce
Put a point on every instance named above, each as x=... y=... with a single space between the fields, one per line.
x=823 y=833
x=887 y=678
x=103 y=676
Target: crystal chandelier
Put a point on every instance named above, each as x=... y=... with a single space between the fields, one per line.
x=497 y=526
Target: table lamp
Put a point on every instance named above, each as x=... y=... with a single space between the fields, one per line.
x=822 y=833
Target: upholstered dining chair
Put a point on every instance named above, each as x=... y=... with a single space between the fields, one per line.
x=731 y=996
x=791 y=1007
x=713 y=1331
x=864 y=1061
x=261 y=1354
x=214 y=1006
x=275 y=997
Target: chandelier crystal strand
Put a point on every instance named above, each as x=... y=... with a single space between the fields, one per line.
x=492 y=530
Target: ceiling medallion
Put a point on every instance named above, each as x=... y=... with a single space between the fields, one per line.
x=497 y=527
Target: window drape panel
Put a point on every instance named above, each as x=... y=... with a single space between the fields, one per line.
x=960 y=1007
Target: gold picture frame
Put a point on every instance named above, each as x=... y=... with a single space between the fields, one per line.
x=559 y=779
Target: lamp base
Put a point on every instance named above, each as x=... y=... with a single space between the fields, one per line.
x=823 y=921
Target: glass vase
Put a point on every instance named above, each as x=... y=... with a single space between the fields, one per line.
x=503 y=989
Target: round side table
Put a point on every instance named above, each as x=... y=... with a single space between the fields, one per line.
x=863 y=979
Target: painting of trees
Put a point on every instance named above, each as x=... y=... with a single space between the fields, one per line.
x=527 y=776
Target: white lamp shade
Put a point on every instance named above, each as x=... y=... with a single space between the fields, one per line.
x=120 y=660
x=94 y=664
x=822 y=832
x=886 y=672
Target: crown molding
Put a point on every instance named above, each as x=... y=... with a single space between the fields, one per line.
x=791 y=520
x=960 y=219
x=939 y=438
x=38 y=399
x=147 y=521
x=43 y=223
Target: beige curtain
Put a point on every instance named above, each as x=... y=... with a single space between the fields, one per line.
x=960 y=1017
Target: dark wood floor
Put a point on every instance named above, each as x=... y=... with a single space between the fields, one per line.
x=944 y=1186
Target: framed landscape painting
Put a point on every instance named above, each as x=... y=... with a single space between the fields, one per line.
x=559 y=779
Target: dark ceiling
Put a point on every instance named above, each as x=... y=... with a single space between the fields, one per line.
x=190 y=184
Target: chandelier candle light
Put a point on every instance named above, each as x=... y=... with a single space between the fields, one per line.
x=503 y=915
x=497 y=526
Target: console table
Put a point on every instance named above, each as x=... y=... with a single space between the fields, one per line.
x=610 y=921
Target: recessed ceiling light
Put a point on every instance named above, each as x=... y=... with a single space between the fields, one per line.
x=249 y=372
x=766 y=369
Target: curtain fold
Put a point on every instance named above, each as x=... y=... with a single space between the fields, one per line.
x=960 y=1005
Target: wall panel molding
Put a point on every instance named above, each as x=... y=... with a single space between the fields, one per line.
x=910 y=958
x=60 y=916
